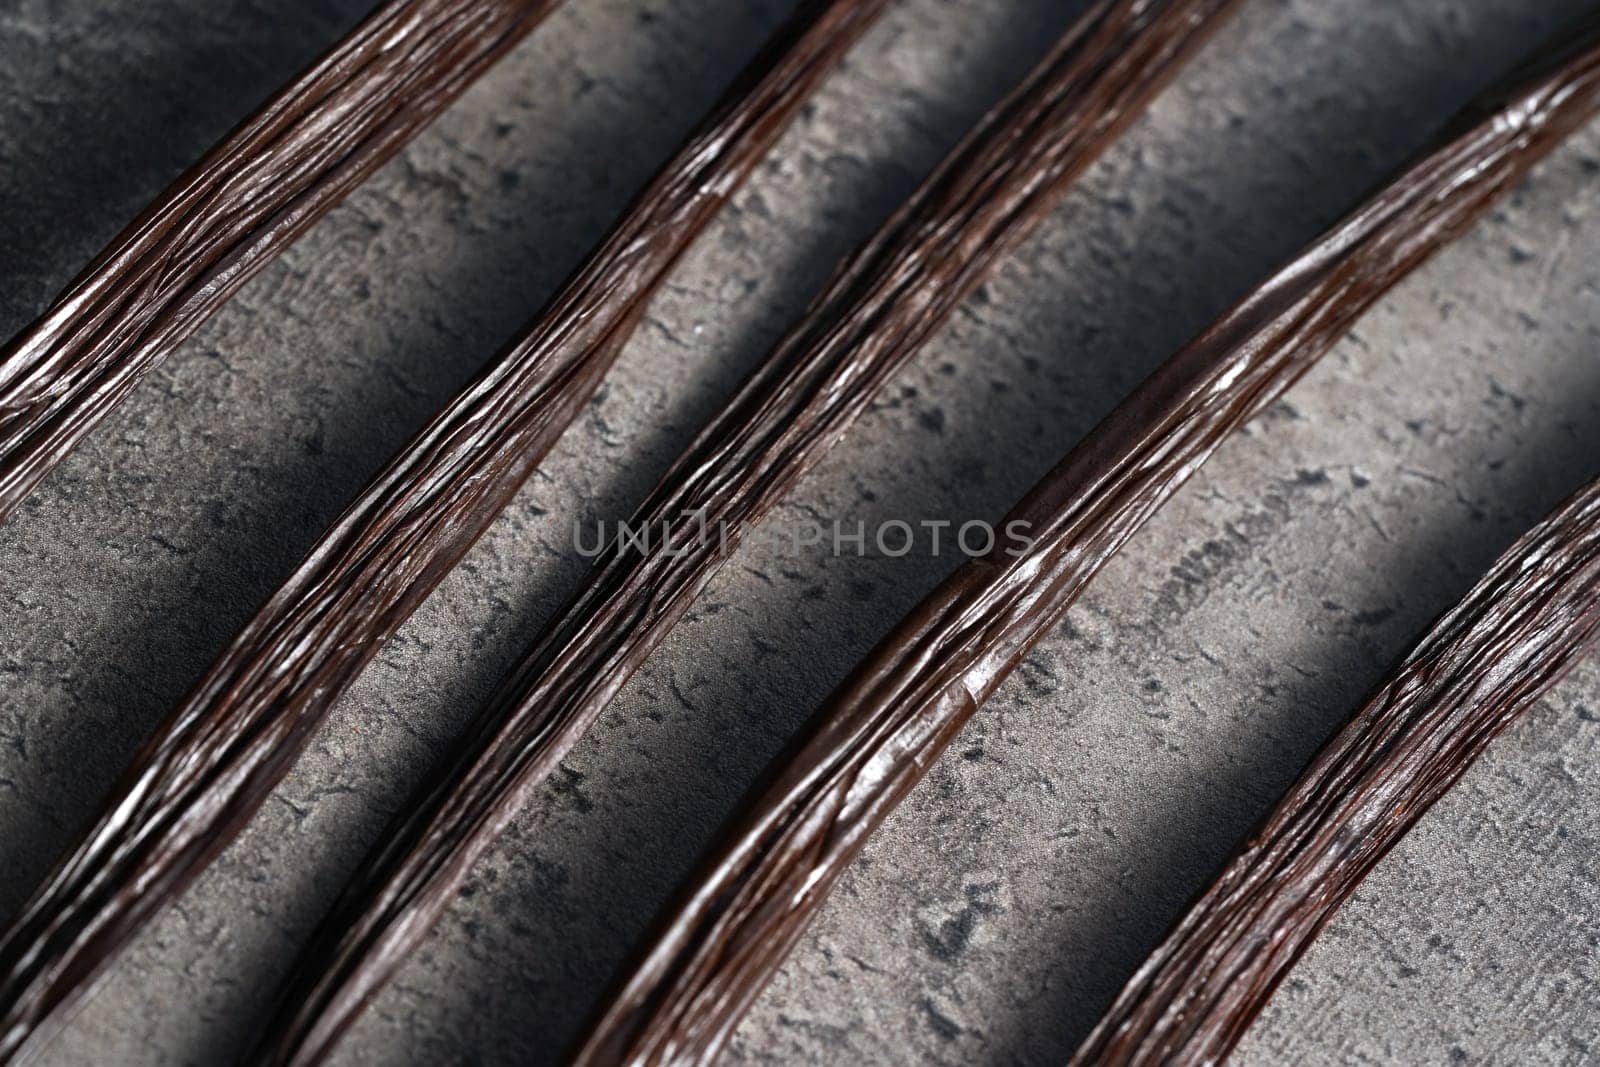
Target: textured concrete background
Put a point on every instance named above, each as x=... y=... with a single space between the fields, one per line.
x=1002 y=906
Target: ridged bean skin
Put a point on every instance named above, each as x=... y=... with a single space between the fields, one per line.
x=231 y=214
x=210 y=766
x=872 y=740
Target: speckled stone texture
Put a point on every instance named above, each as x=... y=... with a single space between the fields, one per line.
x=999 y=910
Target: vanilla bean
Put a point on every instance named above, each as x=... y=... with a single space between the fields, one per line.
x=231 y=214
x=211 y=765
x=877 y=734
x=882 y=303
x=1480 y=668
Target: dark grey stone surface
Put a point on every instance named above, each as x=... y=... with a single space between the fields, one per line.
x=1001 y=907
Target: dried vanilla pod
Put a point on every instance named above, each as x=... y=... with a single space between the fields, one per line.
x=738 y=917
x=1482 y=666
x=231 y=214
x=195 y=784
x=880 y=306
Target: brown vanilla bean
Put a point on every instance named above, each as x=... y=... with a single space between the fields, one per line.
x=877 y=734
x=882 y=304
x=211 y=765
x=1483 y=665
x=231 y=214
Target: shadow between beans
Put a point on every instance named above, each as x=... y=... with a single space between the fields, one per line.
x=106 y=103
x=1175 y=856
